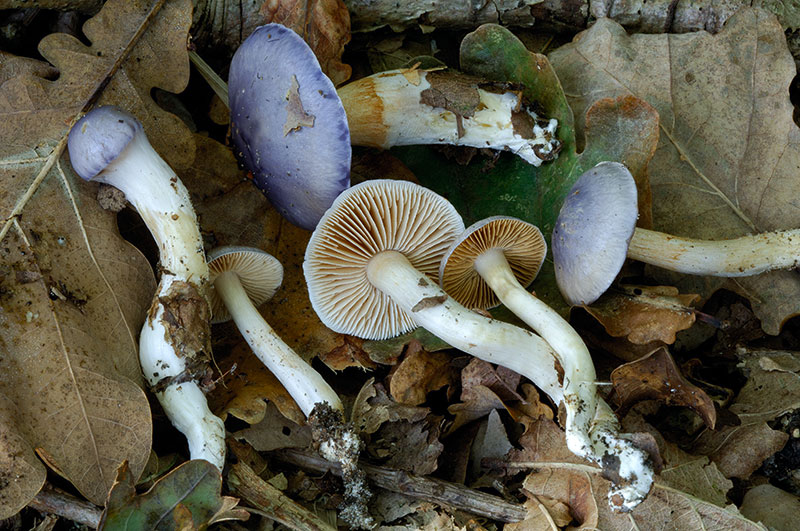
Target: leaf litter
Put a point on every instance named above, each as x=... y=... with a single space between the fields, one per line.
x=410 y=414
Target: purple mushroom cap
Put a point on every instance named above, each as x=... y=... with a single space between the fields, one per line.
x=288 y=125
x=98 y=138
x=593 y=230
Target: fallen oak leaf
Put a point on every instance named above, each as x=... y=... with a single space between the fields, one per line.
x=72 y=325
x=725 y=167
x=419 y=373
x=656 y=377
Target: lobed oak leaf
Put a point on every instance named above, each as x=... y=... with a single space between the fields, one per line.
x=74 y=293
x=727 y=159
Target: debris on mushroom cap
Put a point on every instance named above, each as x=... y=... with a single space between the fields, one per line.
x=288 y=125
x=259 y=272
x=368 y=218
x=522 y=244
x=99 y=137
x=592 y=232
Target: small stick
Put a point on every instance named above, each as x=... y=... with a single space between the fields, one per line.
x=271 y=502
x=429 y=489
x=54 y=501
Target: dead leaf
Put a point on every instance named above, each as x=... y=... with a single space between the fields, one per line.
x=482 y=400
x=410 y=446
x=69 y=338
x=186 y=498
x=275 y=431
x=544 y=514
x=727 y=160
x=559 y=475
x=771 y=506
x=656 y=377
x=768 y=394
x=644 y=313
x=323 y=24
x=501 y=380
x=419 y=373
x=373 y=407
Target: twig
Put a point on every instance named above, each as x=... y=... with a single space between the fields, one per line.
x=54 y=501
x=271 y=502
x=432 y=490
x=216 y=83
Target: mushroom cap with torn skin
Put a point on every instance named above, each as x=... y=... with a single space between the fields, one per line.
x=594 y=227
x=288 y=125
x=522 y=244
x=374 y=216
x=259 y=272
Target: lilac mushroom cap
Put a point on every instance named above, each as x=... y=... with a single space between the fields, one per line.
x=100 y=137
x=288 y=124
x=594 y=227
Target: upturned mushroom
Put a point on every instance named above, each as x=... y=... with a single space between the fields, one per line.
x=411 y=106
x=369 y=265
x=243 y=279
x=109 y=145
x=596 y=230
x=491 y=262
x=288 y=125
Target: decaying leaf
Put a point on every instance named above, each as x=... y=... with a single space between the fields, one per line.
x=771 y=391
x=275 y=431
x=644 y=313
x=656 y=377
x=727 y=161
x=373 y=407
x=323 y=24
x=187 y=498
x=559 y=475
x=419 y=373
x=73 y=292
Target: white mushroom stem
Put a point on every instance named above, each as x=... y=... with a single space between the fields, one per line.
x=163 y=202
x=387 y=109
x=182 y=400
x=592 y=429
x=487 y=339
x=579 y=374
x=738 y=257
x=305 y=384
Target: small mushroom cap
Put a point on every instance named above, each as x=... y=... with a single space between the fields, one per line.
x=593 y=230
x=522 y=244
x=100 y=137
x=288 y=124
x=259 y=272
x=368 y=218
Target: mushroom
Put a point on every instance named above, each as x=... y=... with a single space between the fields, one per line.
x=596 y=230
x=244 y=278
x=288 y=126
x=368 y=266
x=491 y=262
x=410 y=106
x=108 y=145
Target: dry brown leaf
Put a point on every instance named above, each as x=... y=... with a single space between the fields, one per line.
x=644 y=314
x=478 y=373
x=275 y=431
x=323 y=24
x=421 y=372
x=373 y=407
x=482 y=400
x=559 y=475
x=74 y=293
x=771 y=391
x=726 y=164
x=656 y=377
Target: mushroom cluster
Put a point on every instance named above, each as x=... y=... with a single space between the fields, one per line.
x=368 y=267
x=109 y=145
